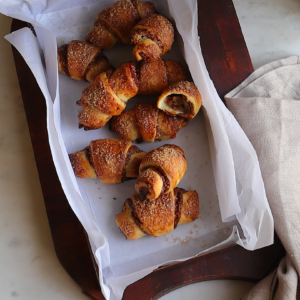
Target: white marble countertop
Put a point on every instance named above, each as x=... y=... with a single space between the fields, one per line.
x=29 y=267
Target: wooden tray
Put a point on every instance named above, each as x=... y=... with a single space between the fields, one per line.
x=228 y=62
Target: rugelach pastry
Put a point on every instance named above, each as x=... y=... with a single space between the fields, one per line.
x=155 y=76
x=152 y=37
x=114 y=24
x=160 y=171
x=180 y=99
x=145 y=122
x=159 y=217
x=81 y=61
x=106 y=96
x=111 y=160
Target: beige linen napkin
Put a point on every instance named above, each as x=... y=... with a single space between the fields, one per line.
x=267 y=106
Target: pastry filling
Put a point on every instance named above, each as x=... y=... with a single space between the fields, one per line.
x=63 y=59
x=178 y=103
x=178 y=192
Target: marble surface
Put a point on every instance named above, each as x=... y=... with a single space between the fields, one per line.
x=29 y=267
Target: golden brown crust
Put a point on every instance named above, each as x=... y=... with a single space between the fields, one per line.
x=145 y=9
x=146 y=120
x=182 y=99
x=112 y=160
x=81 y=165
x=121 y=17
x=153 y=77
x=98 y=65
x=158 y=217
x=106 y=96
x=133 y=165
x=175 y=71
x=156 y=33
x=125 y=126
x=81 y=61
x=109 y=157
x=190 y=207
x=169 y=162
x=115 y=23
x=101 y=36
x=125 y=81
x=167 y=126
x=92 y=118
x=127 y=225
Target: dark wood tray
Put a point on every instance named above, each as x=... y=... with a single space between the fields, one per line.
x=228 y=62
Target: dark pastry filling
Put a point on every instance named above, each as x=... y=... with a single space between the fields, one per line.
x=143 y=33
x=178 y=103
x=134 y=216
x=143 y=191
x=134 y=74
x=89 y=156
x=132 y=150
x=63 y=58
x=178 y=192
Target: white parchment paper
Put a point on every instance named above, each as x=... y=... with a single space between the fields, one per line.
x=222 y=164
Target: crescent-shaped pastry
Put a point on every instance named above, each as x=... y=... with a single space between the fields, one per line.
x=159 y=217
x=155 y=76
x=152 y=37
x=180 y=99
x=115 y=23
x=81 y=61
x=111 y=160
x=160 y=171
x=107 y=96
x=145 y=122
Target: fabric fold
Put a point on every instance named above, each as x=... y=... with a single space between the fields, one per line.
x=267 y=107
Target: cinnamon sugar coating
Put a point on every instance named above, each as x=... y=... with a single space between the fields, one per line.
x=112 y=160
x=152 y=37
x=115 y=23
x=106 y=96
x=81 y=61
x=145 y=122
x=158 y=217
x=169 y=163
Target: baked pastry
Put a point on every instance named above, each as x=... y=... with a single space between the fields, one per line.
x=160 y=171
x=152 y=37
x=155 y=76
x=158 y=217
x=180 y=99
x=115 y=23
x=106 y=96
x=81 y=61
x=145 y=122
x=111 y=160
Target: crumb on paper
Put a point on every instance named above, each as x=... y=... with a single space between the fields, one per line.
x=186 y=240
x=100 y=198
x=191 y=232
x=195 y=226
x=115 y=198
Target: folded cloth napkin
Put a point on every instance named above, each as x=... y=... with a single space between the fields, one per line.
x=267 y=106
